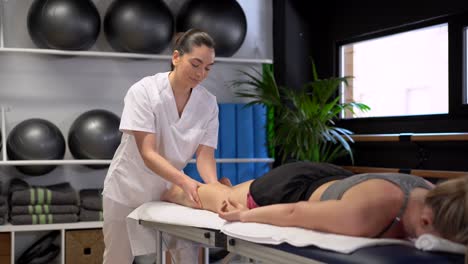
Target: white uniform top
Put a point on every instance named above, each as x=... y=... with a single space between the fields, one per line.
x=150 y=107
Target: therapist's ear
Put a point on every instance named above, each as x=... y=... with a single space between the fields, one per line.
x=175 y=57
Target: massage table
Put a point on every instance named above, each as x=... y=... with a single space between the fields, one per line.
x=270 y=244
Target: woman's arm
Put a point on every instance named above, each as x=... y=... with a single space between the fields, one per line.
x=153 y=160
x=329 y=216
x=358 y=217
x=206 y=163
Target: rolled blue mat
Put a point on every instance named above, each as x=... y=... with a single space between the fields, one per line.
x=91 y=199
x=90 y=215
x=37 y=219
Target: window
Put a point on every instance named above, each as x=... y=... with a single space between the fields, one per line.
x=403 y=74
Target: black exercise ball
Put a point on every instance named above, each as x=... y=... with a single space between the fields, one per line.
x=94 y=134
x=224 y=20
x=64 y=24
x=139 y=26
x=35 y=139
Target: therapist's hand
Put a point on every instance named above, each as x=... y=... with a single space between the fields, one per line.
x=190 y=187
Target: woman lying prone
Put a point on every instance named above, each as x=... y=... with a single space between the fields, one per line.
x=325 y=197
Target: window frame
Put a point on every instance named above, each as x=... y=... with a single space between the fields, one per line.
x=457 y=79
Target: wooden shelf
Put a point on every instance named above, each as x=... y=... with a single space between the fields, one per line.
x=441 y=174
x=412 y=137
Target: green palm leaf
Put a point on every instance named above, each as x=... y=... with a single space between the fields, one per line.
x=304 y=119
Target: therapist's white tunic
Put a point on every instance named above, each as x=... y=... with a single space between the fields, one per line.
x=150 y=106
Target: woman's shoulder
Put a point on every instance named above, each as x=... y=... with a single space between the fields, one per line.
x=376 y=194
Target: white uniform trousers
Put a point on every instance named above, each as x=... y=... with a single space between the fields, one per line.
x=117 y=243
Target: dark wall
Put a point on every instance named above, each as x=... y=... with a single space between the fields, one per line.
x=298 y=35
x=359 y=16
x=297 y=39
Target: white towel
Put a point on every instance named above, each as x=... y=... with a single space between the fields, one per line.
x=429 y=242
x=274 y=235
x=174 y=214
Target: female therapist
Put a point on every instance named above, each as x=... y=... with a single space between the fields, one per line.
x=166 y=119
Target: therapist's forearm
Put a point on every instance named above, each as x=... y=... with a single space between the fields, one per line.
x=146 y=143
x=206 y=166
x=159 y=165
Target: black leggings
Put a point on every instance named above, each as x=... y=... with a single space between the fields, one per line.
x=294 y=182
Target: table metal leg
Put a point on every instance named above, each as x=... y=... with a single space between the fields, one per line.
x=160 y=259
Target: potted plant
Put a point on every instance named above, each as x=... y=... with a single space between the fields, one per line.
x=301 y=121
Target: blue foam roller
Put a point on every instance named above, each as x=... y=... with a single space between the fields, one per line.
x=260 y=139
x=245 y=142
x=227 y=135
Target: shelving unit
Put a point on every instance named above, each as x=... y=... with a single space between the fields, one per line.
x=40 y=82
x=14 y=230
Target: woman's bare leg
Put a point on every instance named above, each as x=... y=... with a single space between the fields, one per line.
x=176 y=195
x=211 y=195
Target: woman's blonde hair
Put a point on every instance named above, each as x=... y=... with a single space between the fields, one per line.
x=449 y=202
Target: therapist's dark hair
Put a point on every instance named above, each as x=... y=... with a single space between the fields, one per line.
x=185 y=41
